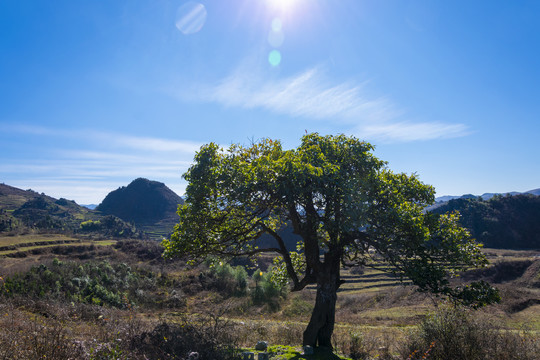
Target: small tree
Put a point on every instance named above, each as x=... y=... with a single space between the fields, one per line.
x=347 y=207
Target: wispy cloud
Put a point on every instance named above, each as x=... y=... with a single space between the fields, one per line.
x=307 y=95
x=110 y=139
x=95 y=163
x=312 y=95
x=405 y=131
x=150 y=143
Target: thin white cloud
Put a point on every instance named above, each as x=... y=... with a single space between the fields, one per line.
x=311 y=95
x=306 y=95
x=404 y=131
x=150 y=143
x=109 y=139
x=96 y=163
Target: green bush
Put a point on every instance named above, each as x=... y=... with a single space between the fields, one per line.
x=230 y=281
x=266 y=289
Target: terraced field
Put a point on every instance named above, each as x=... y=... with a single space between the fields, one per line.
x=371 y=280
x=14 y=245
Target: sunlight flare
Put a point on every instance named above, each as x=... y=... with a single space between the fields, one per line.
x=283 y=5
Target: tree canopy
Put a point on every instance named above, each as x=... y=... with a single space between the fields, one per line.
x=345 y=204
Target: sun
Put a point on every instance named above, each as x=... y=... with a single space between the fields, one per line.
x=283 y=5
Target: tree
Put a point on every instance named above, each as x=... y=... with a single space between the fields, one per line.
x=344 y=203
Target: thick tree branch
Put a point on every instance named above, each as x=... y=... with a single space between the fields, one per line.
x=286 y=256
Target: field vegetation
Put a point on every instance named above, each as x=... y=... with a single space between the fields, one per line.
x=124 y=301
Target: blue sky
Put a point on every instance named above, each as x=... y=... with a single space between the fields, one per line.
x=94 y=94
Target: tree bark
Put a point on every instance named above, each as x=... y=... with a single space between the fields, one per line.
x=321 y=325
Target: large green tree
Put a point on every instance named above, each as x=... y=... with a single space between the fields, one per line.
x=343 y=202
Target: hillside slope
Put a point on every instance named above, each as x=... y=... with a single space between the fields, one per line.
x=23 y=211
x=508 y=222
x=148 y=204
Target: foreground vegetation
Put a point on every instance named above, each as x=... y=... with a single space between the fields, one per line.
x=125 y=302
x=45 y=329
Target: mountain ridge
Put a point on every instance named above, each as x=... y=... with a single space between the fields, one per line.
x=485 y=196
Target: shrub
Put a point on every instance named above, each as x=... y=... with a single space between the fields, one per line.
x=230 y=281
x=21 y=338
x=455 y=333
x=211 y=338
x=266 y=290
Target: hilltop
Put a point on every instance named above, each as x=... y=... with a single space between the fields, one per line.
x=148 y=204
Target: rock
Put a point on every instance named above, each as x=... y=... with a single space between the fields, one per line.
x=248 y=356
x=308 y=350
x=261 y=346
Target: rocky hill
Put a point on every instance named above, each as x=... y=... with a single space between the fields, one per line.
x=148 y=204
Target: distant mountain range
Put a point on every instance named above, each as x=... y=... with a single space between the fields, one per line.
x=146 y=208
x=485 y=196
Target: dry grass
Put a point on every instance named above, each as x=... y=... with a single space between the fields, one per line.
x=370 y=323
x=30 y=249
x=32 y=238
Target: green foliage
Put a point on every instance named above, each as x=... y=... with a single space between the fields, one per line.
x=338 y=197
x=110 y=226
x=283 y=352
x=90 y=225
x=279 y=273
x=477 y=294
x=230 y=281
x=266 y=290
x=98 y=283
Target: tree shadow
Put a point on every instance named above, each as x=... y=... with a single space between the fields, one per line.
x=319 y=354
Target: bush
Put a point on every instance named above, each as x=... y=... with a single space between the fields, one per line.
x=228 y=280
x=211 y=338
x=455 y=333
x=21 y=338
x=266 y=290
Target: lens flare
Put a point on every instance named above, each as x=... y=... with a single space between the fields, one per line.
x=190 y=17
x=276 y=24
x=274 y=58
x=276 y=38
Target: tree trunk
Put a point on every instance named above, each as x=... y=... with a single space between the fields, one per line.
x=321 y=325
